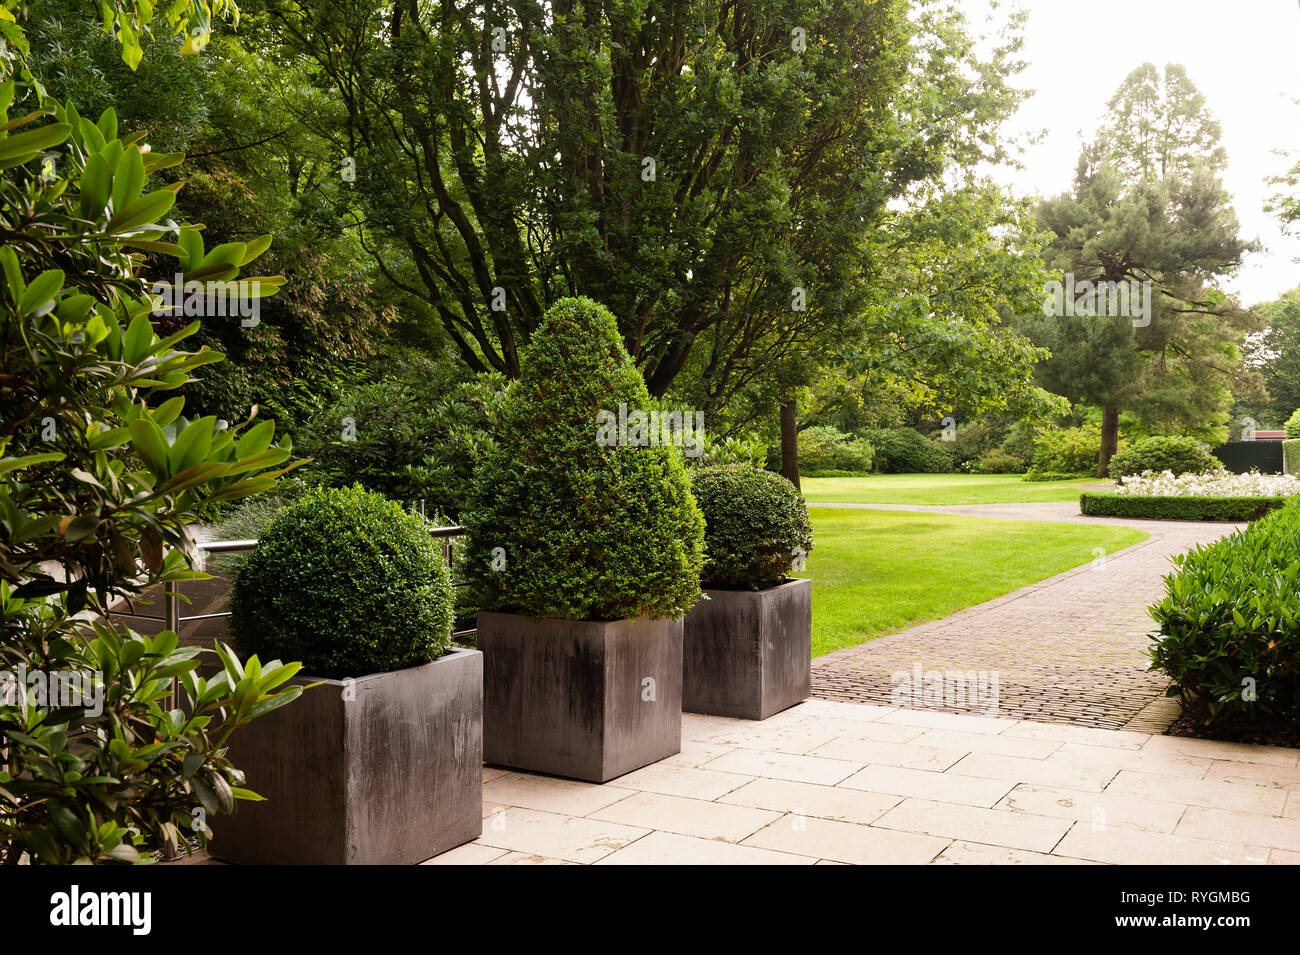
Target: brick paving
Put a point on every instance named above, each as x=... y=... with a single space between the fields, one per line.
x=827 y=782
x=1068 y=649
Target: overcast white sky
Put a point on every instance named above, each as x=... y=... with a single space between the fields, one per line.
x=1244 y=55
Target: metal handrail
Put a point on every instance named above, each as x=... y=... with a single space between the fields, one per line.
x=172 y=618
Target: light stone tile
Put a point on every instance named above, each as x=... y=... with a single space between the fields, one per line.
x=974 y=853
x=795 y=740
x=1282 y=857
x=1104 y=808
x=667 y=848
x=827 y=802
x=1214 y=793
x=694 y=753
x=1216 y=749
x=694 y=783
x=829 y=862
x=555 y=836
x=864 y=729
x=801 y=769
x=1276 y=832
x=490 y=807
x=565 y=796
x=1292 y=808
x=492 y=772
x=1261 y=774
x=699 y=728
x=1041 y=772
x=1085 y=755
x=923 y=784
x=687 y=817
x=1000 y=744
x=1065 y=733
x=841 y=710
x=974 y=824
x=909 y=755
x=526 y=858
x=847 y=842
x=1137 y=847
x=937 y=719
x=471 y=853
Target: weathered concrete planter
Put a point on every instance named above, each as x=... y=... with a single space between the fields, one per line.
x=747 y=653
x=383 y=770
x=584 y=699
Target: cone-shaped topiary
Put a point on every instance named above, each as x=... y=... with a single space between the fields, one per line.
x=757 y=526
x=563 y=523
x=347 y=582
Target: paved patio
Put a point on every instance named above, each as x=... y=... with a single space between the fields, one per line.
x=1071 y=648
x=830 y=782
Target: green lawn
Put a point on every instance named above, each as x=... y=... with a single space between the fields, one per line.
x=875 y=572
x=937 y=489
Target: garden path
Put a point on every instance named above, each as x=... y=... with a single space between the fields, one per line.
x=1068 y=649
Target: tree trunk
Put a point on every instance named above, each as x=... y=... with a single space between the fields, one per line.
x=790 y=442
x=1109 y=438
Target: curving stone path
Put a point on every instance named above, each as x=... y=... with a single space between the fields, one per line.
x=1068 y=649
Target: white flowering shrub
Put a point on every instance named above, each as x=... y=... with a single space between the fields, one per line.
x=1211 y=484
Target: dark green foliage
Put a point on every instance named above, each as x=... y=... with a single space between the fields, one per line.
x=1291 y=455
x=825 y=448
x=347 y=582
x=1170 y=508
x=415 y=439
x=573 y=528
x=1044 y=476
x=1293 y=425
x=907 y=451
x=756 y=526
x=1229 y=633
x=1174 y=453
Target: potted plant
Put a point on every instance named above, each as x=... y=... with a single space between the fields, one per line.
x=584 y=552
x=381 y=761
x=748 y=648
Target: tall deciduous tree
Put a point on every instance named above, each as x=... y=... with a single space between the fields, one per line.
x=705 y=169
x=1148 y=206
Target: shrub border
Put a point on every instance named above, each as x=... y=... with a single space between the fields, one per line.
x=1170 y=508
x=1291 y=456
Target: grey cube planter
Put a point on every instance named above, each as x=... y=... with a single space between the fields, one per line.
x=384 y=770
x=748 y=653
x=571 y=697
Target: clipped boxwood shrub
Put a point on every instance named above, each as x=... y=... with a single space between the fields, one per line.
x=562 y=523
x=347 y=582
x=1292 y=425
x=1175 y=453
x=907 y=451
x=1170 y=508
x=1044 y=476
x=755 y=526
x=1229 y=635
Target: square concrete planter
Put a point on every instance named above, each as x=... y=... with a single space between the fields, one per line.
x=748 y=653
x=584 y=699
x=382 y=770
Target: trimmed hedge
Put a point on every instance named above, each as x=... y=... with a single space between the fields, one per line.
x=1033 y=476
x=1229 y=627
x=1291 y=456
x=833 y=474
x=566 y=519
x=1176 y=453
x=1292 y=425
x=1168 y=508
x=347 y=582
x=755 y=526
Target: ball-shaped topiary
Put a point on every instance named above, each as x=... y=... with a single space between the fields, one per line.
x=562 y=522
x=1176 y=453
x=1292 y=425
x=756 y=526
x=346 y=582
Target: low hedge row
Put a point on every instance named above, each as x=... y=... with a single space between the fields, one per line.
x=1058 y=476
x=1165 y=508
x=832 y=473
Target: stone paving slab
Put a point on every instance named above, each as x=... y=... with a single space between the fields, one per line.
x=1014 y=792
x=1068 y=649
